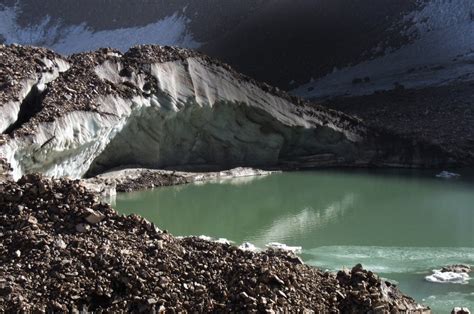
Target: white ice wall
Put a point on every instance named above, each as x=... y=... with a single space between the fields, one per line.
x=200 y=110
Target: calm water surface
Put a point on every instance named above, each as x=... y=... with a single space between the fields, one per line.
x=401 y=224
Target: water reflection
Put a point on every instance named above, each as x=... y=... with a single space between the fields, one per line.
x=235 y=181
x=313 y=209
x=305 y=222
x=400 y=223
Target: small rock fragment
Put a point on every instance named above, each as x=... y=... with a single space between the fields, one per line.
x=93 y=216
x=82 y=227
x=60 y=244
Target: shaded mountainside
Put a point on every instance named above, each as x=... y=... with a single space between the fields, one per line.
x=316 y=49
x=170 y=108
x=63 y=251
x=443 y=115
x=276 y=41
x=439 y=52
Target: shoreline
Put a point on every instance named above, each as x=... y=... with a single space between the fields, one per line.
x=66 y=251
x=141 y=179
x=138 y=179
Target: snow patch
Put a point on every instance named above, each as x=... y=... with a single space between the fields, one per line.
x=447 y=175
x=171 y=30
x=442 y=52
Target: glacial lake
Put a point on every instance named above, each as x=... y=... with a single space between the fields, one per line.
x=400 y=224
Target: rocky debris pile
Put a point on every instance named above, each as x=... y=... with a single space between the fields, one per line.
x=420 y=114
x=62 y=250
x=19 y=63
x=75 y=89
x=364 y=290
x=4 y=170
x=139 y=179
x=459 y=268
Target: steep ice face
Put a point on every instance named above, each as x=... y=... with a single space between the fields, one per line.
x=185 y=111
x=441 y=52
x=204 y=116
x=201 y=115
x=171 y=30
x=11 y=109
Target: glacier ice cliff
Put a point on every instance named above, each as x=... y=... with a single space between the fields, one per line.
x=170 y=108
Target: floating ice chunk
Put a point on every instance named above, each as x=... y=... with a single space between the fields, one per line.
x=243 y=172
x=460 y=310
x=448 y=277
x=223 y=241
x=284 y=247
x=211 y=239
x=447 y=175
x=205 y=238
x=246 y=246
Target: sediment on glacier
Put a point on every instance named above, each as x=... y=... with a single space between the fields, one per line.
x=135 y=179
x=443 y=114
x=63 y=251
x=175 y=109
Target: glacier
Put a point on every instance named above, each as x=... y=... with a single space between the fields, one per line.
x=174 y=109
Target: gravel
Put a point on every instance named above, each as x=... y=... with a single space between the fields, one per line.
x=20 y=63
x=62 y=250
x=443 y=115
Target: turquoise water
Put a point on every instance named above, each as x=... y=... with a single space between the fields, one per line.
x=401 y=224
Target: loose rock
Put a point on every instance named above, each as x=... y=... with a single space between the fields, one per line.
x=64 y=264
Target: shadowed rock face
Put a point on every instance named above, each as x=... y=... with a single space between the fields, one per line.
x=162 y=107
x=275 y=41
